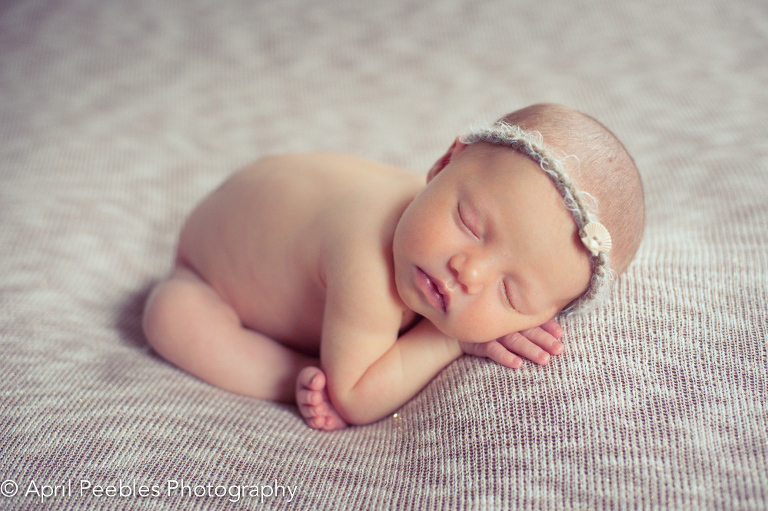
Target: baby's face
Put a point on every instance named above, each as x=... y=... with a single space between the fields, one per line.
x=488 y=248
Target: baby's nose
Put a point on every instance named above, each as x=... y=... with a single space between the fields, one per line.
x=470 y=271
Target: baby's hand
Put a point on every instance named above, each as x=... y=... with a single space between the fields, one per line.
x=536 y=344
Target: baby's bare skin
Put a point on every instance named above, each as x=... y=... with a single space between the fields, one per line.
x=345 y=285
x=263 y=239
x=279 y=218
x=247 y=305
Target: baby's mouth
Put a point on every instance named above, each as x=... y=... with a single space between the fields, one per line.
x=432 y=290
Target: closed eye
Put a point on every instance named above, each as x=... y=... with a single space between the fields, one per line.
x=506 y=299
x=467 y=221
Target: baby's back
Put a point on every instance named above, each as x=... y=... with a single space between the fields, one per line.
x=259 y=239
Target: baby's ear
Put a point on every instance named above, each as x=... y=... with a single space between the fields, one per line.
x=441 y=163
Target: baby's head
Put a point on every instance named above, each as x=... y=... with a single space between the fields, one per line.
x=520 y=220
x=592 y=171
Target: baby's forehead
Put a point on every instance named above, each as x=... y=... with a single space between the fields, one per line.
x=561 y=170
x=511 y=176
x=508 y=163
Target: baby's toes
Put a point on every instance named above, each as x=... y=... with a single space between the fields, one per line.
x=308 y=397
x=333 y=422
x=310 y=378
x=318 y=422
x=317 y=380
x=307 y=411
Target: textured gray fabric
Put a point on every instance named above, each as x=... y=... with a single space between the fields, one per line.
x=116 y=117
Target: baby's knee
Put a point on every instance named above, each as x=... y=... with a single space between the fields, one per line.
x=171 y=305
x=161 y=310
x=181 y=309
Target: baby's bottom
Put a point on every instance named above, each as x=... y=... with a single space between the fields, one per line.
x=190 y=325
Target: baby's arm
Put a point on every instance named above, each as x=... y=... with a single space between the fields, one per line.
x=415 y=359
x=369 y=378
x=370 y=372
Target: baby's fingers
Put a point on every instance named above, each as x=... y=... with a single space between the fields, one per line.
x=553 y=328
x=523 y=346
x=501 y=355
x=544 y=340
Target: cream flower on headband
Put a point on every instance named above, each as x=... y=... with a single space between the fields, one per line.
x=596 y=238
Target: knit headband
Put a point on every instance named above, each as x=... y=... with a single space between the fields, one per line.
x=593 y=234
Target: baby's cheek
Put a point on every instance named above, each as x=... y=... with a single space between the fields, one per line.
x=474 y=330
x=491 y=327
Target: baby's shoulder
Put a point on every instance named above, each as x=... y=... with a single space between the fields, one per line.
x=363 y=203
x=344 y=193
x=328 y=168
x=346 y=200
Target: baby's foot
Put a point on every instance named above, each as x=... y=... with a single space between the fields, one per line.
x=313 y=403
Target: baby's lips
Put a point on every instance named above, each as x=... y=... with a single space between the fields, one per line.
x=433 y=290
x=443 y=289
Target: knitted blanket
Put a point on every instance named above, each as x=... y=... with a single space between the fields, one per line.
x=117 y=117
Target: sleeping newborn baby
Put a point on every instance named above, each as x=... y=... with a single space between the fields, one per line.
x=345 y=285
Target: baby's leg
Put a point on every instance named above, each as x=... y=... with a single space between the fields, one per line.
x=312 y=400
x=187 y=323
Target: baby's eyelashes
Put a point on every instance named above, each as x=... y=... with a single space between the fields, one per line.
x=469 y=220
x=506 y=297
